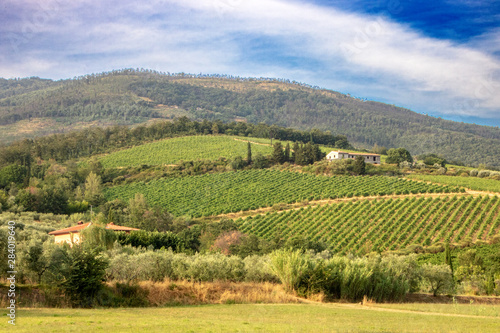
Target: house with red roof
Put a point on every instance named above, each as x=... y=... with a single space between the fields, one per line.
x=71 y=235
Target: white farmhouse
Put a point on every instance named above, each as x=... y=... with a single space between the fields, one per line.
x=339 y=155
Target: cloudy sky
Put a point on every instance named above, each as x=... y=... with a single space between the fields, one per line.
x=440 y=57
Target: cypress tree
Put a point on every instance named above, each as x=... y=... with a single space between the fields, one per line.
x=360 y=165
x=295 y=152
x=287 y=152
x=447 y=256
x=278 y=155
x=249 y=153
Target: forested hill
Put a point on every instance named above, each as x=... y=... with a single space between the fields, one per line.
x=135 y=96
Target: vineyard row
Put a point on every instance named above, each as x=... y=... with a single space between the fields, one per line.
x=384 y=224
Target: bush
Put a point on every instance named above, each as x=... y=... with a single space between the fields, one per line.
x=238 y=163
x=483 y=174
x=437 y=279
x=84 y=276
x=155 y=239
x=289 y=266
x=441 y=171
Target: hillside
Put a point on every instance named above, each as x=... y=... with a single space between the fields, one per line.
x=172 y=151
x=129 y=97
x=385 y=224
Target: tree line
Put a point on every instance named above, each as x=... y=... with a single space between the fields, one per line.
x=87 y=142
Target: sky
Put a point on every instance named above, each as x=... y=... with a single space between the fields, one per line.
x=439 y=57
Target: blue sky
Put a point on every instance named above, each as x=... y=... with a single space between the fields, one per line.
x=438 y=57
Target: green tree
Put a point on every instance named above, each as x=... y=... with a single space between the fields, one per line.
x=238 y=163
x=287 y=152
x=398 y=155
x=360 y=165
x=137 y=207
x=278 y=155
x=260 y=162
x=296 y=154
x=93 y=190
x=437 y=278
x=381 y=150
x=84 y=275
x=13 y=174
x=215 y=129
x=98 y=237
x=447 y=256
x=342 y=142
x=35 y=259
x=249 y=153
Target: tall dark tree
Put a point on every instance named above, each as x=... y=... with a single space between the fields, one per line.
x=287 y=152
x=360 y=165
x=295 y=152
x=278 y=155
x=447 y=255
x=249 y=153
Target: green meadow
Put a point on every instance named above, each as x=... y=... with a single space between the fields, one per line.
x=253 y=318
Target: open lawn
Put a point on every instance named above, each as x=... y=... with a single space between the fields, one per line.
x=471 y=309
x=249 y=318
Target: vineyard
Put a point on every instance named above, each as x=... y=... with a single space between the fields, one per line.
x=187 y=148
x=384 y=224
x=324 y=149
x=213 y=194
x=474 y=183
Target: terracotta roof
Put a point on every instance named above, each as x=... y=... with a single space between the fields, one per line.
x=362 y=154
x=115 y=227
x=82 y=226
x=74 y=229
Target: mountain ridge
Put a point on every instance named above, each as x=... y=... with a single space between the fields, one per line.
x=136 y=96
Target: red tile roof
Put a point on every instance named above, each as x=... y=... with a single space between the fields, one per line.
x=115 y=227
x=74 y=229
x=79 y=227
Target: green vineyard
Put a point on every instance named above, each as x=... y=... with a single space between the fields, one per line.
x=384 y=224
x=213 y=194
x=474 y=183
x=171 y=151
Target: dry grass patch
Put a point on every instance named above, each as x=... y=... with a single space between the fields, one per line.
x=194 y=293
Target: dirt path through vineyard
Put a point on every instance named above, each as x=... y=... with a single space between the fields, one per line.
x=295 y=206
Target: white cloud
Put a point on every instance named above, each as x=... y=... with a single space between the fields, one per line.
x=365 y=55
x=453 y=74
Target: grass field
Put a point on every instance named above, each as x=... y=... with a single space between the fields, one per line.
x=171 y=151
x=250 y=318
x=459 y=309
x=474 y=183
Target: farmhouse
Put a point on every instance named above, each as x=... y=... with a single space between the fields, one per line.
x=71 y=235
x=339 y=155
